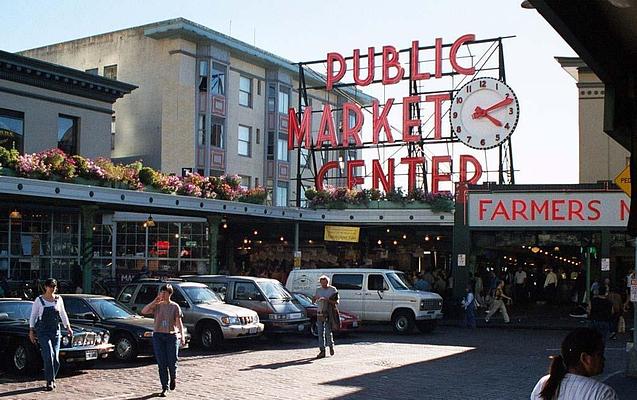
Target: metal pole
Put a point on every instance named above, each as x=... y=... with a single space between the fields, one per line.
x=631 y=367
x=296 y=237
x=587 y=255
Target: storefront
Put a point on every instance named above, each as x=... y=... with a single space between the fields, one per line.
x=500 y=229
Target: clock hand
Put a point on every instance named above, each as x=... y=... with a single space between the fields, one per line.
x=479 y=113
x=504 y=102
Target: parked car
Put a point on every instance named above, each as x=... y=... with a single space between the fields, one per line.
x=349 y=321
x=131 y=334
x=209 y=319
x=268 y=297
x=22 y=356
x=378 y=295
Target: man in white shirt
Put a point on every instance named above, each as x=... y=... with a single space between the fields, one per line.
x=519 y=290
x=550 y=286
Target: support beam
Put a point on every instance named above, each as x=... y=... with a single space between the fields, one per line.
x=213 y=236
x=87 y=213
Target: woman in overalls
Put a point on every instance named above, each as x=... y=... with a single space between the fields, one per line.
x=44 y=328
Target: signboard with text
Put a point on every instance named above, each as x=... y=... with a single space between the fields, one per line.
x=341 y=233
x=550 y=209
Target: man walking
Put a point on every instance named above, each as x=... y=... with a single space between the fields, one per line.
x=519 y=290
x=326 y=297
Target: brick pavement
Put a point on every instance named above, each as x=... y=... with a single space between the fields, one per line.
x=451 y=363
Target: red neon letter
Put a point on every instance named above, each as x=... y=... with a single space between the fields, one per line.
x=380 y=121
x=390 y=59
x=482 y=208
x=624 y=210
x=409 y=123
x=327 y=121
x=453 y=54
x=352 y=131
x=521 y=211
x=555 y=210
x=370 y=67
x=321 y=174
x=542 y=209
x=438 y=99
x=595 y=210
x=412 y=162
x=500 y=209
x=438 y=58
x=378 y=175
x=331 y=78
x=436 y=176
x=353 y=180
x=575 y=208
x=414 y=64
x=477 y=169
x=298 y=132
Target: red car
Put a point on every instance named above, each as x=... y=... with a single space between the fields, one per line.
x=349 y=321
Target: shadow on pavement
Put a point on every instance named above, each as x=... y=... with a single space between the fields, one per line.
x=292 y=363
x=21 y=391
x=148 y=396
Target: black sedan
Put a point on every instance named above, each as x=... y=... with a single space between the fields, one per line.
x=130 y=334
x=22 y=356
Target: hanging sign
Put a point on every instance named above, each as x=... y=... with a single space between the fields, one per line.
x=605 y=264
x=341 y=233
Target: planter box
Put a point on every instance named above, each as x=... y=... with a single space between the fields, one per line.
x=7 y=172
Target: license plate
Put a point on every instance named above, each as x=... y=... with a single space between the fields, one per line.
x=252 y=331
x=295 y=315
x=354 y=324
x=91 y=354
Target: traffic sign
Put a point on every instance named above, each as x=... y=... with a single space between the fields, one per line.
x=623 y=180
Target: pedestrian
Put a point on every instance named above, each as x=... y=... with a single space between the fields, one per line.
x=519 y=290
x=44 y=328
x=77 y=277
x=582 y=356
x=498 y=303
x=168 y=333
x=550 y=286
x=326 y=297
x=600 y=312
x=422 y=284
x=469 y=305
x=615 y=298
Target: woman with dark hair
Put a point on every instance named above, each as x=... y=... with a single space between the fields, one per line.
x=44 y=328
x=168 y=332
x=582 y=356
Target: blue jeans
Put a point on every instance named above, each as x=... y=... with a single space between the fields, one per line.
x=470 y=317
x=603 y=327
x=166 y=347
x=49 y=341
x=325 y=334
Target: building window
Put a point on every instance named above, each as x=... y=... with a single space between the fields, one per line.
x=113 y=132
x=92 y=71
x=110 y=72
x=68 y=134
x=284 y=101
x=245 y=182
x=256 y=182
x=244 y=145
x=258 y=87
x=282 y=194
x=218 y=79
x=201 y=130
x=270 y=146
x=282 y=148
x=245 y=91
x=12 y=130
x=216 y=134
x=271 y=97
x=258 y=136
x=305 y=157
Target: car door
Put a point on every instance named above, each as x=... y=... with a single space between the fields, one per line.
x=145 y=295
x=78 y=310
x=248 y=295
x=350 y=292
x=377 y=298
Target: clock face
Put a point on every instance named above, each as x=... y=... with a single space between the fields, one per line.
x=484 y=113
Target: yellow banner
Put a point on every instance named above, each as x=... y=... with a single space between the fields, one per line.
x=342 y=233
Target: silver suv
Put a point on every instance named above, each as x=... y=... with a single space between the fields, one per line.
x=210 y=320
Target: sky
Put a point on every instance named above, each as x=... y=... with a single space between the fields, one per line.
x=545 y=143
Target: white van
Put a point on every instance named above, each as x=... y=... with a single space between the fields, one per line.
x=375 y=295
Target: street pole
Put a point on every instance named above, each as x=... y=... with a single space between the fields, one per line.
x=631 y=369
x=587 y=255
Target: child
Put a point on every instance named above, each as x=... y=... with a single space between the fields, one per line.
x=469 y=305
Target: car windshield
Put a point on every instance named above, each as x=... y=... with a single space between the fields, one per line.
x=274 y=290
x=200 y=295
x=304 y=300
x=398 y=281
x=109 y=309
x=15 y=310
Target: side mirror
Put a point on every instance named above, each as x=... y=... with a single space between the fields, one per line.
x=259 y=297
x=89 y=316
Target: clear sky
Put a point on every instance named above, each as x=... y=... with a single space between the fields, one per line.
x=545 y=142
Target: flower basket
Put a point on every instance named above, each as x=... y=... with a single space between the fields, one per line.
x=442 y=205
x=7 y=172
x=84 y=181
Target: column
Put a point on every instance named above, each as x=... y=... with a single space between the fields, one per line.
x=461 y=251
x=213 y=236
x=87 y=215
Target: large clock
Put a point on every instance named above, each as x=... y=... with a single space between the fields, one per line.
x=484 y=113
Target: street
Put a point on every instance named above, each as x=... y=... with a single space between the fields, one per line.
x=451 y=363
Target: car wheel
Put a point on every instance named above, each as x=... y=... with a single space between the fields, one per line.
x=125 y=348
x=22 y=358
x=403 y=322
x=426 y=326
x=313 y=328
x=210 y=336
